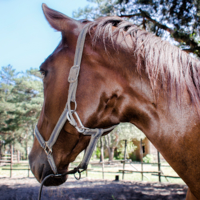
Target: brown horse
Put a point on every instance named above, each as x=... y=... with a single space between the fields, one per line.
x=126 y=75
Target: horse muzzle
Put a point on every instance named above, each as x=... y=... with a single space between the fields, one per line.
x=40 y=167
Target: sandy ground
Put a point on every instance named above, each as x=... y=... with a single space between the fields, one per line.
x=87 y=189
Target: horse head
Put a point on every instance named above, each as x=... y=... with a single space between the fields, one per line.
x=126 y=75
x=100 y=96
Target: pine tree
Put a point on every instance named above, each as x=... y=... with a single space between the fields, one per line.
x=179 y=19
x=20 y=104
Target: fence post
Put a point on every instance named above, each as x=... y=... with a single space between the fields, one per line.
x=18 y=156
x=141 y=155
x=28 y=170
x=159 y=167
x=11 y=159
x=86 y=171
x=124 y=159
x=102 y=156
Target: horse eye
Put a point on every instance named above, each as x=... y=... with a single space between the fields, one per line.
x=43 y=73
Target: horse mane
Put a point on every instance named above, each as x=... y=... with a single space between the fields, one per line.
x=167 y=66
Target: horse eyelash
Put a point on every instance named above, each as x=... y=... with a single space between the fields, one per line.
x=43 y=73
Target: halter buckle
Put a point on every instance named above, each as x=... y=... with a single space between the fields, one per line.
x=47 y=150
x=73 y=74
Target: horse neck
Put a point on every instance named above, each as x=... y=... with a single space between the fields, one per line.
x=173 y=128
x=160 y=115
x=156 y=111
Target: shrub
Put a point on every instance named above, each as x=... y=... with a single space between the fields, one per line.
x=148 y=158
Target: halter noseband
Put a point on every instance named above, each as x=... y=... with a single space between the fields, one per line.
x=67 y=114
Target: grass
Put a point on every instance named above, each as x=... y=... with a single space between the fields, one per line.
x=114 y=170
x=21 y=170
x=113 y=197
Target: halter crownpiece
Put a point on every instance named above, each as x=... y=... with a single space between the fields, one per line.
x=67 y=114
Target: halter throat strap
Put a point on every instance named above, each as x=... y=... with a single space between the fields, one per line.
x=68 y=114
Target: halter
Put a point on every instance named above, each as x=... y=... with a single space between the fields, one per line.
x=68 y=114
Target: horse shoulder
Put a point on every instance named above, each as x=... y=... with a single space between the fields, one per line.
x=190 y=196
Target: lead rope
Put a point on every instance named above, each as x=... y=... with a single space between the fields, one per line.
x=83 y=165
x=74 y=171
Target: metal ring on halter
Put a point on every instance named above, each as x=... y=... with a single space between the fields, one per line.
x=69 y=119
x=79 y=121
x=75 y=105
x=79 y=172
x=79 y=129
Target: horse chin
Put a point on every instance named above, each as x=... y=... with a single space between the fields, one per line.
x=55 y=181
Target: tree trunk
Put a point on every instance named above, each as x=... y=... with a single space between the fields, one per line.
x=26 y=148
x=1 y=145
x=110 y=144
x=102 y=150
x=111 y=153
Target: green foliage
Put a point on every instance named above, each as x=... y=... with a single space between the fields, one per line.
x=179 y=19
x=113 y=197
x=129 y=149
x=128 y=131
x=148 y=158
x=97 y=9
x=21 y=97
x=124 y=131
x=98 y=152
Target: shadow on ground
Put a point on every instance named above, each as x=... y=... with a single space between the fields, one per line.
x=28 y=188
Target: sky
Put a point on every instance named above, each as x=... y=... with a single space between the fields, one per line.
x=26 y=38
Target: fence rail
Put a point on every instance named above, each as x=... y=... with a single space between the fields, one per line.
x=25 y=167
x=9 y=164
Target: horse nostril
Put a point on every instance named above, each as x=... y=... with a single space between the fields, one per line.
x=41 y=171
x=44 y=171
x=40 y=167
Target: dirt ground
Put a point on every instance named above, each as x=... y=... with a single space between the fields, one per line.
x=87 y=189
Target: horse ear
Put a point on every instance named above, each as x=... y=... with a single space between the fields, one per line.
x=56 y=19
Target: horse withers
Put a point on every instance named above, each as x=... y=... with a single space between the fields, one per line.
x=126 y=75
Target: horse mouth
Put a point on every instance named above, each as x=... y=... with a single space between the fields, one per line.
x=55 y=180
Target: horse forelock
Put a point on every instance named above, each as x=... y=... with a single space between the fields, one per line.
x=166 y=65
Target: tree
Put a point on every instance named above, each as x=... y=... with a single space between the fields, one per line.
x=7 y=76
x=124 y=131
x=178 y=19
x=20 y=104
x=97 y=9
x=111 y=142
